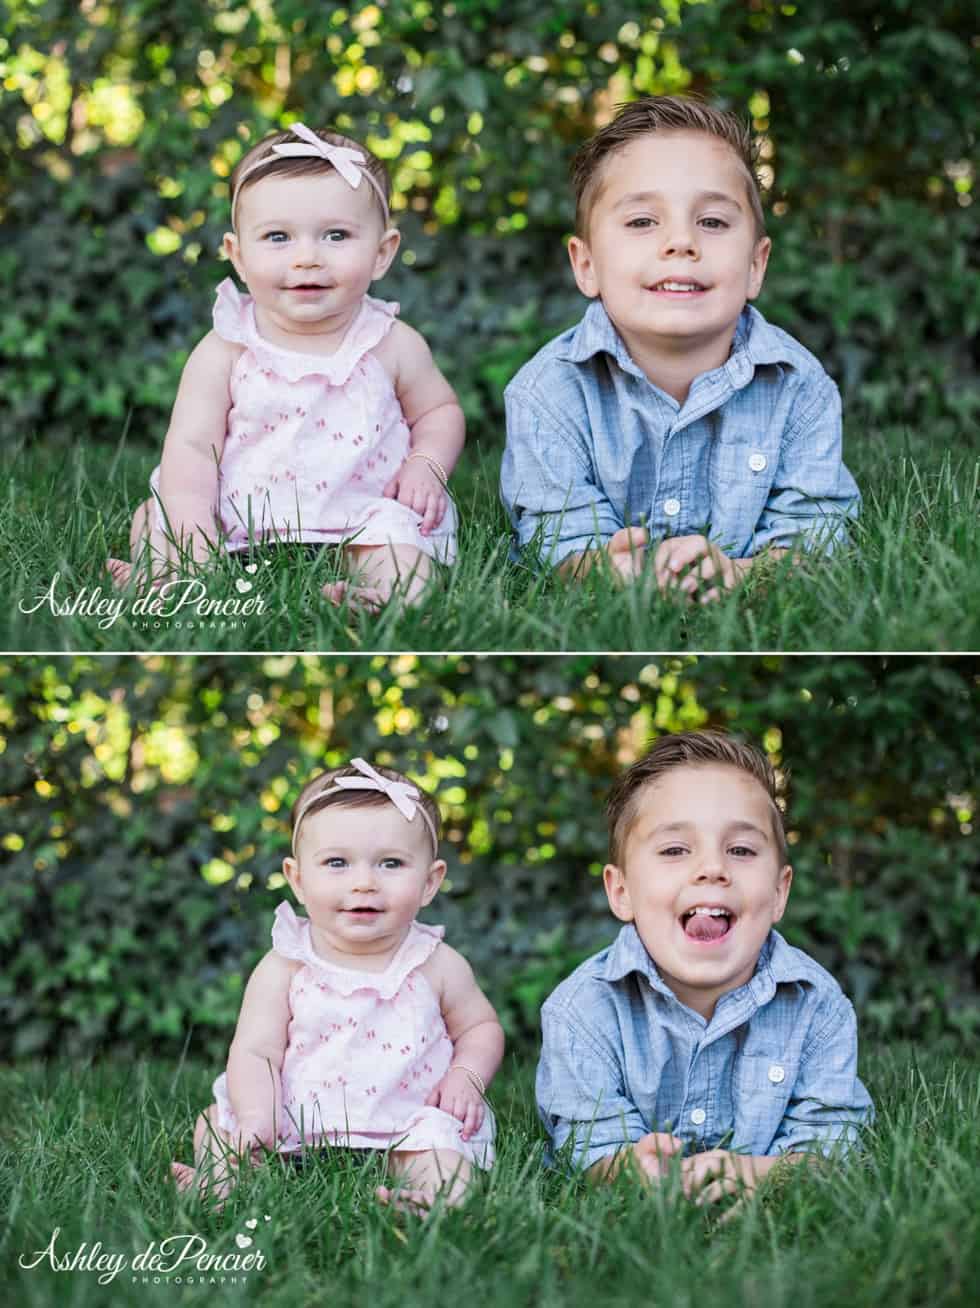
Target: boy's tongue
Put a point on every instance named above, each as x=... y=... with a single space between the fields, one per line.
x=702 y=927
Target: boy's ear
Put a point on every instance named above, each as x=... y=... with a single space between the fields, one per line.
x=757 y=270
x=387 y=250
x=583 y=267
x=290 y=870
x=433 y=880
x=229 y=243
x=617 y=892
x=783 y=883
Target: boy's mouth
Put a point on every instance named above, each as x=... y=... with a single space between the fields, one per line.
x=678 y=286
x=707 y=922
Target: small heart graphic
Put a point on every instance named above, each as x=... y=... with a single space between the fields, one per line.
x=243 y=586
x=251 y=567
x=252 y=1223
x=243 y=1241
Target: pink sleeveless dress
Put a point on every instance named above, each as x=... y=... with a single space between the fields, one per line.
x=364 y=1049
x=312 y=440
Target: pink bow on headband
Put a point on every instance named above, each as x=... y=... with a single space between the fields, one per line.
x=402 y=794
x=349 y=163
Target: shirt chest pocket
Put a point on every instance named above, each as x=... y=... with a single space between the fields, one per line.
x=745 y=460
x=765 y=1077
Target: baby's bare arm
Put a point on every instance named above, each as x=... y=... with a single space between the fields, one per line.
x=476 y=1034
x=258 y=1048
x=194 y=441
x=428 y=402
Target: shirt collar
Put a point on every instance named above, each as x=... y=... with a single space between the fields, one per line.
x=777 y=961
x=755 y=342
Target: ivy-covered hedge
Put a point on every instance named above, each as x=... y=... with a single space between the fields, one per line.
x=143 y=807
x=119 y=124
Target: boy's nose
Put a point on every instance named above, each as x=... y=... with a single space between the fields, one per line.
x=680 y=242
x=712 y=868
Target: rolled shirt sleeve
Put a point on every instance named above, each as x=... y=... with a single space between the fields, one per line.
x=829 y=1104
x=581 y=1098
x=548 y=482
x=813 y=494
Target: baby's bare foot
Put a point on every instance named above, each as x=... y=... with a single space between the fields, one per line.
x=418 y=1203
x=212 y=1188
x=120 y=571
x=359 y=597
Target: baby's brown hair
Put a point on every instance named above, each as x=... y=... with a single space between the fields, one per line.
x=306 y=805
x=300 y=165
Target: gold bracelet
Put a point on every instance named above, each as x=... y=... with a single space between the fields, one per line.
x=434 y=464
x=475 y=1077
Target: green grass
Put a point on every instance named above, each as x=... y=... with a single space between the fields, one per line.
x=87 y=1149
x=911 y=580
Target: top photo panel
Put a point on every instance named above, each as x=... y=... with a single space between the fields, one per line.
x=486 y=326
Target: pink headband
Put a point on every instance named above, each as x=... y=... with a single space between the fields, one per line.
x=348 y=162
x=402 y=794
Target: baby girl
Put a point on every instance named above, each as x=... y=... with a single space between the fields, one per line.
x=359 y=1028
x=309 y=412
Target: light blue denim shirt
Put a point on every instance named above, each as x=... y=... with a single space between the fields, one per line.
x=774 y=1071
x=752 y=457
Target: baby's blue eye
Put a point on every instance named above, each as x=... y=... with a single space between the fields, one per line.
x=338 y=233
x=274 y=237
x=392 y=863
x=335 y=862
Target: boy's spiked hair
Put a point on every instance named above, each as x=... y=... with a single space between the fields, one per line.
x=681 y=750
x=662 y=113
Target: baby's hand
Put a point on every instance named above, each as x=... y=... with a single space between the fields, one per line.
x=707 y=566
x=456 y=1093
x=416 y=485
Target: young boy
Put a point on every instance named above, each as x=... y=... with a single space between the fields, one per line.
x=673 y=412
x=699 y=1031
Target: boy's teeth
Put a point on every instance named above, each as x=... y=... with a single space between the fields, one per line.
x=710 y=912
x=678 y=286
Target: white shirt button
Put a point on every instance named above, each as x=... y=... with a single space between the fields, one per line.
x=672 y=508
x=776 y=1074
x=698 y=1115
x=757 y=461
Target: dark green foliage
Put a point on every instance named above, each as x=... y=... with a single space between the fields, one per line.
x=869 y=111
x=144 y=807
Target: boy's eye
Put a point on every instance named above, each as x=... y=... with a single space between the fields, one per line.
x=741 y=851
x=714 y=224
x=671 y=851
x=640 y=222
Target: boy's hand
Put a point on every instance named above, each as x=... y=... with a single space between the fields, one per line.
x=707 y=568
x=457 y=1094
x=652 y=1153
x=710 y=1176
x=416 y=485
x=627 y=551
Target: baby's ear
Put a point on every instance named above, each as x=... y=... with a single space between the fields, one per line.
x=229 y=244
x=433 y=880
x=290 y=870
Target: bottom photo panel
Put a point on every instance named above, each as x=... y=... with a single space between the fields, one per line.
x=413 y=980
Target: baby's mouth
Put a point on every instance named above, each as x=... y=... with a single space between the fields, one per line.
x=363 y=911
x=707 y=922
